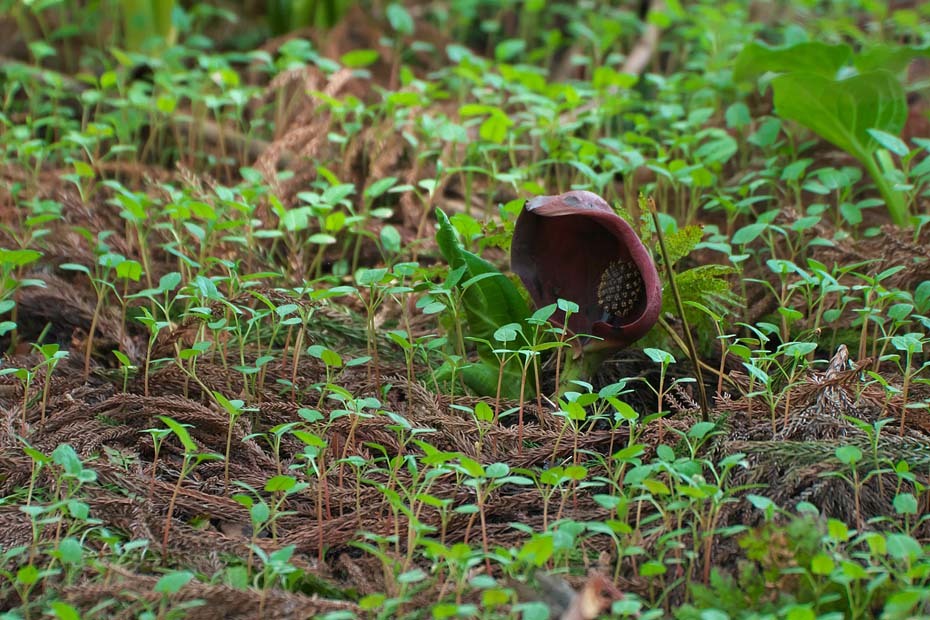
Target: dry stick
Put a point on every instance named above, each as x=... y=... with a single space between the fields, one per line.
x=298 y=346
x=520 y=415
x=642 y=52
x=539 y=409
x=723 y=365
x=719 y=373
x=89 y=349
x=319 y=508
x=692 y=350
x=904 y=390
x=670 y=331
x=635 y=64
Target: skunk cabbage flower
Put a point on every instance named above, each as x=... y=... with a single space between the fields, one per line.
x=575 y=247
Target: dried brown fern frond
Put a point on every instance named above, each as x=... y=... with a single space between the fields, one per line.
x=302 y=129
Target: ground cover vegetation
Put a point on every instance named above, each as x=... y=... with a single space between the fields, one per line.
x=269 y=349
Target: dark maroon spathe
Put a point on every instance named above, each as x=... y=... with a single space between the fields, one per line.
x=562 y=247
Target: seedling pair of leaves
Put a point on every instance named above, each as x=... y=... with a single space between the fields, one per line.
x=860 y=108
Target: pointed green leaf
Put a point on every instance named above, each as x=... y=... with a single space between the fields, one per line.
x=490 y=302
x=843 y=111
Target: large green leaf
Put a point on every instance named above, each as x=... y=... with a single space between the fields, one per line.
x=842 y=111
x=811 y=57
x=489 y=302
x=846 y=112
x=482 y=377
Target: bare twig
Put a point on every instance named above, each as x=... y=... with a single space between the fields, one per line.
x=689 y=339
x=635 y=64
